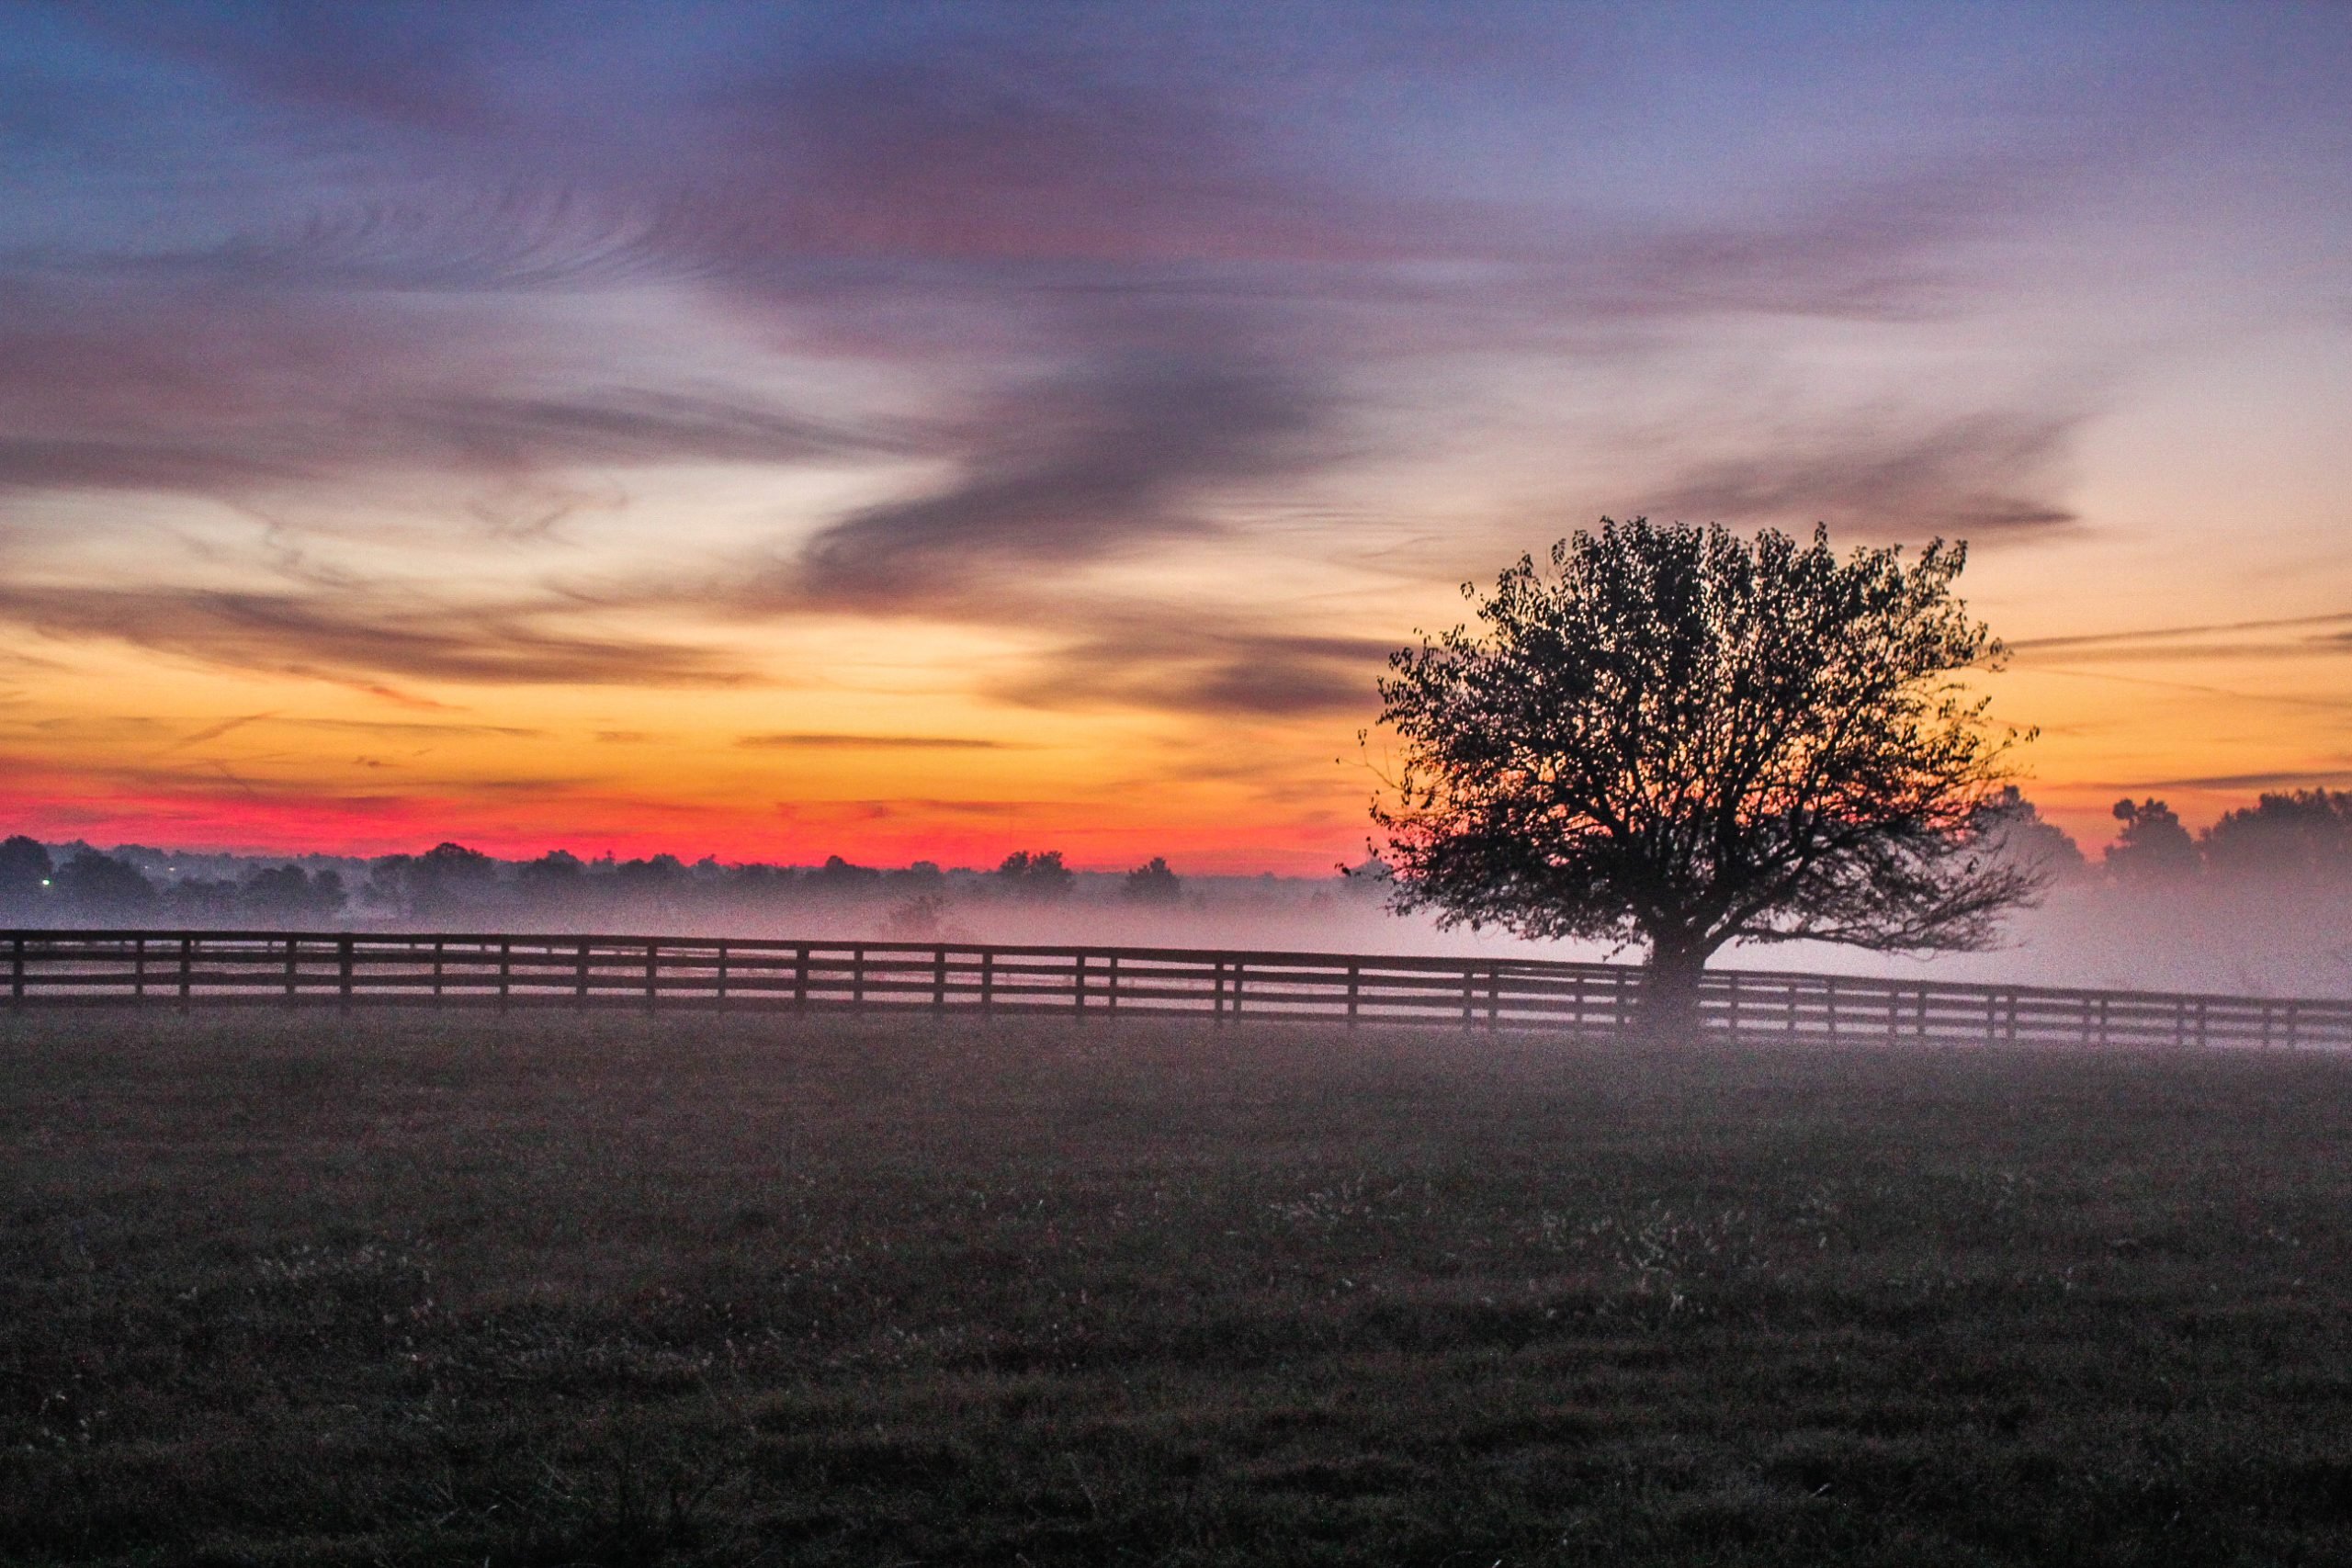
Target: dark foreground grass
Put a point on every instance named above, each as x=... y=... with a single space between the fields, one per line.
x=548 y=1290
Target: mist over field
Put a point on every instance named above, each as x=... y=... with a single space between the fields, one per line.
x=2260 y=906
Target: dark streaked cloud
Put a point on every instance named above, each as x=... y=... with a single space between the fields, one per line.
x=919 y=808
x=1118 y=453
x=2183 y=651
x=346 y=638
x=2269 y=699
x=1887 y=247
x=2160 y=640
x=1981 y=477
x=214 y=731
x=2290 y=778
x=802 y=741
x=1203 y=664
x=393 y=729
x=234 y=391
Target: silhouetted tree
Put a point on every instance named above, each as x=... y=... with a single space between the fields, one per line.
x=1370 y=878
x=2154 y=849
x=837 y=877
x=660 y=873
x=2015 y=830
x=557 y=871
x=1684 y=739
x=25 y=870
x=1153 y=882
x=197 y=900
x=287 y=893
x=445 y=879
x=1040 y=876
x=2301 y=836
x=100 y=887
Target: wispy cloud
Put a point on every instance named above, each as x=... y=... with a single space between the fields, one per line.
x=214 y=731
x=2284 y=778
x=1204 y=663
x=362 y=638
x=1118 y=454
x=2157 y=640
x=243 y=391
x=802 y=741
x=1987 y=476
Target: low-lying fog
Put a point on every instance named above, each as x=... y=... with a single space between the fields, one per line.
x=2261 y=904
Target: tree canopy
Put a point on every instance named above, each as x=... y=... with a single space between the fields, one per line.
x=1681 y=737
x=2153 y=848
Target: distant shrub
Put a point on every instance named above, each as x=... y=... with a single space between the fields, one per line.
x=1153 y=882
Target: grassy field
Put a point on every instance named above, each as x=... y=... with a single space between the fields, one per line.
x=621 y=1291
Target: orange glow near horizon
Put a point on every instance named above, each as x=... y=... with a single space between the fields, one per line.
x=201 y=760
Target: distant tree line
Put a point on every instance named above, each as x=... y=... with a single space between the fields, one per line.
x=88 y=886
x=2297 y=837
x=452 y=881
x=2296 y=842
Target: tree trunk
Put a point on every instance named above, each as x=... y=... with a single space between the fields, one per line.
x=1670 y=993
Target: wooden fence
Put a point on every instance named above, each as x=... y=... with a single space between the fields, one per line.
x=187 y=969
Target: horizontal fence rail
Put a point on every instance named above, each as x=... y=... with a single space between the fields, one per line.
x=186 y=969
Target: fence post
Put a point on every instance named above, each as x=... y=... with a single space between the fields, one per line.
x=1494 y=997
x=988 y=982
x=720 y=997
x=1469 y=993
x=2200 y=1024
x=1078 y=982
x=2294 y=1020
x=2102 y=1022
x=16 y=972
x=438 y=945
x=1111 y=993
x=652 y=975
x=939 y=980
x=1240 y=967
x=505 y=971
x=857 y=978
x=1355 y=985
x=1217 y=1003
x=293 y=945
x=800 y=977
x=343 y=962
x=580 y=978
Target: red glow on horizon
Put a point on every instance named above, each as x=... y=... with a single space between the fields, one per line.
x=366 y=827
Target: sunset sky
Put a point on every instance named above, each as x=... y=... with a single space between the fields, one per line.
x=930 y=431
